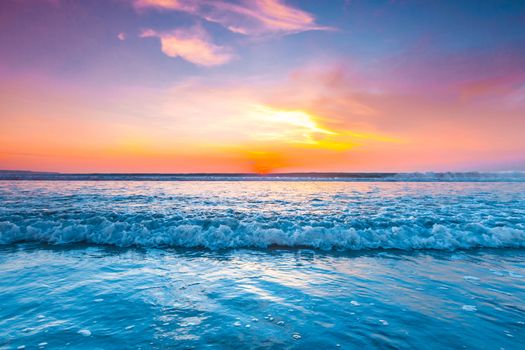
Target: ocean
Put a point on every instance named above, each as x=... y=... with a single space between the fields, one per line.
x=387 y=262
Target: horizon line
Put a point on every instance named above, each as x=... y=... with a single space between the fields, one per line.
x=36 y=172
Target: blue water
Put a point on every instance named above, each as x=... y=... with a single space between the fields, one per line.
x=263 y=265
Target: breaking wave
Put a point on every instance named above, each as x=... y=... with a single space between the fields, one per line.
x=228 y=232
x=222 y=215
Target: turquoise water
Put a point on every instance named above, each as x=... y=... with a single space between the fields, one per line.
x=127 y=265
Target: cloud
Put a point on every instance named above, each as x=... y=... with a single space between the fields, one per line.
x=498 y=86
x=249 y=17
x=180 y=5
x=258 y=116
x=191 y=44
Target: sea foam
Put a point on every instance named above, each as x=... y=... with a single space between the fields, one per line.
x=229 y=232
x=220 y=215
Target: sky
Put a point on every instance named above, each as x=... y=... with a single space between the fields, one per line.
x=262 y=86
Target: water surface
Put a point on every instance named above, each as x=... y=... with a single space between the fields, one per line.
x=262 y=265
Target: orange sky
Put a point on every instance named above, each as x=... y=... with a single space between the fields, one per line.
x=263 y=86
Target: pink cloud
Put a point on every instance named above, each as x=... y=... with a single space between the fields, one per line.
x=492 y=78
x=253 y=17
x=180 y=5
x=191 y=44
x=493 y=86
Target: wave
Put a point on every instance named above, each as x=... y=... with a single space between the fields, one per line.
x=510 y=176
x=229 y=232
x=505 y=176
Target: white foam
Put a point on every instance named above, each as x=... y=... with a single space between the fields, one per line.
x=470 y=308
x=238 y=234
x=395 y=218
x=84 y=332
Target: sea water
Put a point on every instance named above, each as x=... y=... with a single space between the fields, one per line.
x=263 y=265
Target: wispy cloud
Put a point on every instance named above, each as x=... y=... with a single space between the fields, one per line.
x=498 y=86
x=249 y=17
x=191 y=44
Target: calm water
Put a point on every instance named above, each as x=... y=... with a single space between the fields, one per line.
x=117 y=265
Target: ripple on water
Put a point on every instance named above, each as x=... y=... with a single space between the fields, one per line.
x=105 y=297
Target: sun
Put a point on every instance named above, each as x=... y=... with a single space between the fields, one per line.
x=288 y=126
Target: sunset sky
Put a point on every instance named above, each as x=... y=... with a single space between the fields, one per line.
x=262 y=85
